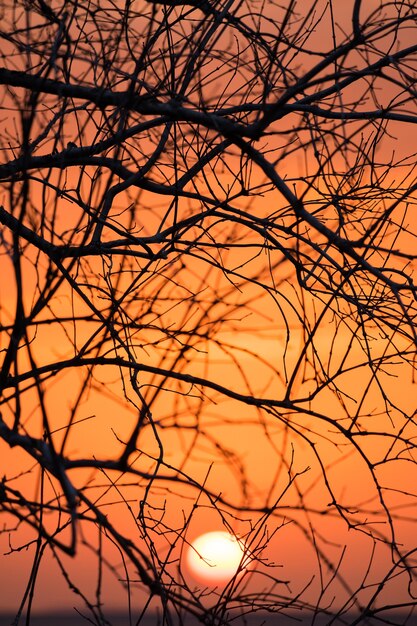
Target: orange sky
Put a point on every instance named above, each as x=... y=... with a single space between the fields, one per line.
x=263 y=354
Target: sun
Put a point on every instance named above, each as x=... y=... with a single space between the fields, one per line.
x=215 y=556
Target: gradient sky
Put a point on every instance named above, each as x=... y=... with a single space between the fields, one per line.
x=226 y=463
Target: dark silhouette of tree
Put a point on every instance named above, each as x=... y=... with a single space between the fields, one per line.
x=208 y=306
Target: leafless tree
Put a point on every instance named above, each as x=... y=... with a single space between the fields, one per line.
x=208 y=306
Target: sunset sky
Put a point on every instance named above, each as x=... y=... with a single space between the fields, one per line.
x=207 y=306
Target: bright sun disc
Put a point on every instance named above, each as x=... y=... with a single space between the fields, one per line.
x=215 y=556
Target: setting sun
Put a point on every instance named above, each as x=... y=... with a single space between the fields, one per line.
x=215 y=556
